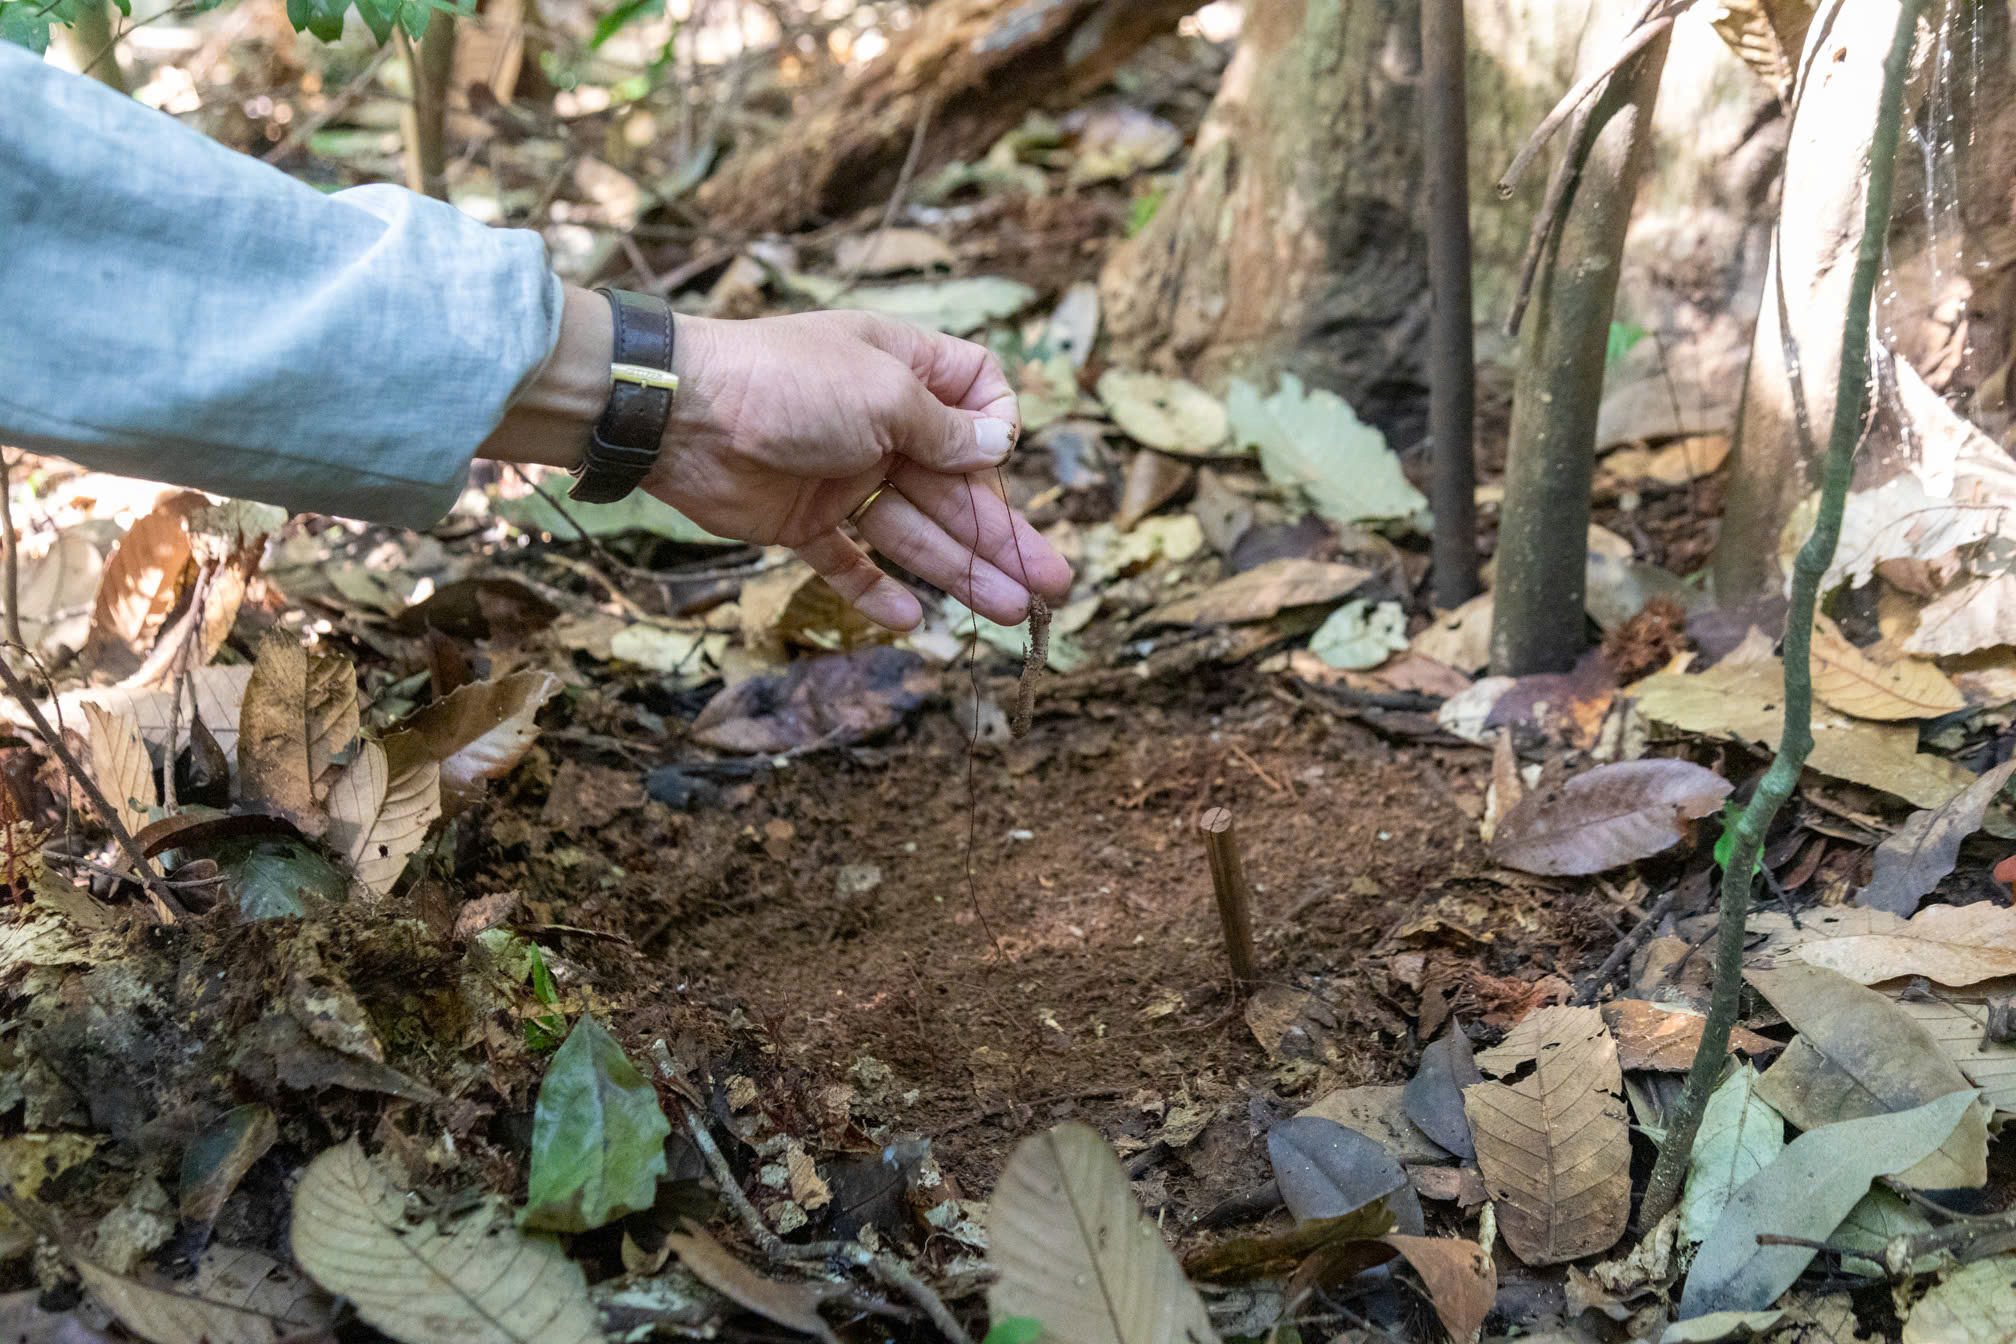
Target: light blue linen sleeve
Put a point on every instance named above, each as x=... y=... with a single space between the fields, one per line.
x=174 y=310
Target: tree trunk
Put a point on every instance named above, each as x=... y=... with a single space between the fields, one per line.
x=1537 y=618
x=973 y=67
x=1948 y=254
x=93 y=44
x=1293 y=238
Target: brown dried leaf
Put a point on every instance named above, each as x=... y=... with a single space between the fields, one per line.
x=1848 y=679
x=1947 y=944
x=1859 y=1055
x=479 y=1281
x=1767 y=35
x=1073 y=1250
x=1663 y=1039
x=795 y=1306
x=1602 y=818
x=1555 y=1148
x=1153 y=479
x=236 y=1297
x=1462 y=1281
x=143 y=580
x=1743 y=697
x=300 y=712
x=1961 y=1029
x=120 y=765
x=1260 y=593
x=475 y=735
x=58 y=590
x=218 y=693
x=378 y=822
x=1910 y=863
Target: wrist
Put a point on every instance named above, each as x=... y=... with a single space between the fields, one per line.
x=550 y=421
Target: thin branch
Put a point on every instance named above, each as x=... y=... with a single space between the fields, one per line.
x=1850 y=402
x=12 y=560
x=333 y=109
x=894 y=203
x=1641 y=35
x=166 y=907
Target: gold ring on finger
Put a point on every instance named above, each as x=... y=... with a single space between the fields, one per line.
x=867 y=503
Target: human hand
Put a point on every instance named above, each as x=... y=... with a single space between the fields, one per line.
x=787 y=425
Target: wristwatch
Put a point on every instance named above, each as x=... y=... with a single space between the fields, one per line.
x=626 y=441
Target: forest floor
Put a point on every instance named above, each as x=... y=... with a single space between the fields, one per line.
x=875 y=952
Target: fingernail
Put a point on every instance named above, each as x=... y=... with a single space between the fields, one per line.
x=995 y=438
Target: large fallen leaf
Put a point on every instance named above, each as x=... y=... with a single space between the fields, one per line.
x=377 y=822
x=887 y=251
x=954 y=307
x=300 y=713
x=598 y=1136
x=1605 y=817
x=1739 y=1136
x=1663 y=1038
x=1166 y=413
x=144 y=579
x=836 y=700
x=235 y=1297
x=793 y=1305
x=1263 y=592
x=1743 y=697
x=480 y=1281
x=1806 y=1193
x=1379 y=1112
x=1462 y=1282
x=1326 y=1170
x=1073 y=1251
x=542 y=511
x=217 y=691
x=1973 y=1304
x=1315 y=442
x=1961 y=1029
x=1949 y=944
x=1910 y=863
x=1847 y=679
x=27 y=1160
x=1979 y=613
x=1555 y=1147
x=1434 y=1095
x=120 y=766
x=1857 y=1055
x=58 y=589
x=475 y=735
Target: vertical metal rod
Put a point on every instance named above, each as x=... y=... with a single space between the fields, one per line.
x=1235 y=897
x=1452 y=377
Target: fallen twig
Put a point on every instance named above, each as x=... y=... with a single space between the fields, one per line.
x=1850 y=402
x=166 y=907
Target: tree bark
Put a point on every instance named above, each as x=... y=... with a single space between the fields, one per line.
x=978 y=66
x=1293 y=239
x=1452 y=388
x=1537 y=617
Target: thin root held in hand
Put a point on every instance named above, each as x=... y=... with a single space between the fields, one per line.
x=1033 y=659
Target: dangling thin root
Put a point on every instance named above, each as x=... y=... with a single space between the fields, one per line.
x=1033 y=659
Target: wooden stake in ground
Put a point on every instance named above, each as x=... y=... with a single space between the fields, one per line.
x=1235 y=897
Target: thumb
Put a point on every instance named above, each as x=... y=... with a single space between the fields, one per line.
x=946 y=438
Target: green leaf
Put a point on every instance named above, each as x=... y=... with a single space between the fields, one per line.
x=1623 y=335
x=1360 y=635
x=621 y=17
x=1740 y=1136
x=635 y=512
x=1014 y=1330
x=378 y=17
x=1315 y=442
x=274 y=877
x=598 y=1136
x=1725 y=844
x=1142 y=209
x=26 y=24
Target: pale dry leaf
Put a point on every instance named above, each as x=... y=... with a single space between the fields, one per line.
x=58 y=588
x=1167 y=413
x=144 y=577
x=475 y=735
x=1857 y=1055
x=890 y=250
x=1961 y=1029
x=1314 y=442
x=1740 y=1135
x=1605 y=817
x=300 y=711
x=218 y=692
x=376 y=821
x=795 y=1306
x=120 y=766
x=1973 y=1304
x=1262 y=592
x=1461 y=638
x=1744 y=698
x=1073 y=1250
x=1806 y=1192
x=235 y=1297
x=1977 y=613
x=1555 y=1147
x=1911 y=862
x=480 y=1281
x=1947 y=944
x=1849 y=680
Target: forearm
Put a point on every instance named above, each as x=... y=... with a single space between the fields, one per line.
x=171 y=309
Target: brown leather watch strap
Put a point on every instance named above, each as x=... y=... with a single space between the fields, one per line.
x=631 y=433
